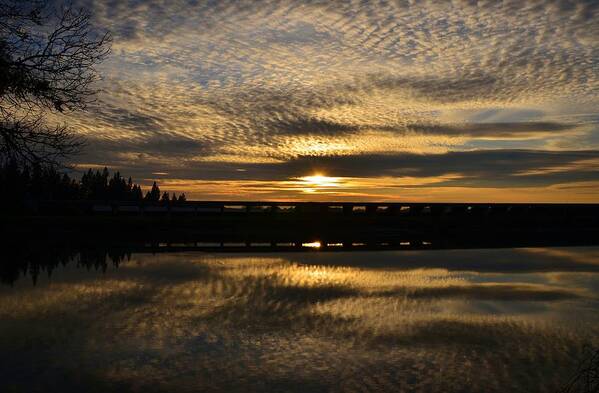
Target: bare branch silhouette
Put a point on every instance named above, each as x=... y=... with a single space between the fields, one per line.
x=586 y=379
x=47 y=64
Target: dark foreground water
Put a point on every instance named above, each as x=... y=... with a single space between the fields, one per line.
x=427 y=321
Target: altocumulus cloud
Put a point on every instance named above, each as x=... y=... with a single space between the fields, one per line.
x=199 y=89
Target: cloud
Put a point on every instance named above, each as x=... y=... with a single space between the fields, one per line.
x=129 y=119
x=433 y=88
x=496 y=168
x=509 y=167
x=281 y=88
x=307 y=126
x=141 y=150
x=483 y=130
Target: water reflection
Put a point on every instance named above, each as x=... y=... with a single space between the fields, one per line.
x=461 y=320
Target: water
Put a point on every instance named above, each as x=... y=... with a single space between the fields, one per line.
x=422 y=321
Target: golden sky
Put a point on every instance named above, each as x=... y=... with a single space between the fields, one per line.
x=383 y=100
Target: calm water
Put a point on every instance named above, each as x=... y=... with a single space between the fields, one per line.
x=430 y=321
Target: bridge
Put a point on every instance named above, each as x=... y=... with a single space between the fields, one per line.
x=269 y=225
x=229 y=208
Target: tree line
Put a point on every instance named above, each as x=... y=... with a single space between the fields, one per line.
x=28 y=183
x=35 y=261
x=49 y=52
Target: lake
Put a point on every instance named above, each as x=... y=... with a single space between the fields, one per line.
x=423 y=321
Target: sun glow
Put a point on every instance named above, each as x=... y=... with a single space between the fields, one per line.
x=319 y=180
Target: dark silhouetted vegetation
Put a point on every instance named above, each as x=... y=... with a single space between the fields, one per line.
x=154 y=194
x=48 y=55
x=26 y=184
x=32 y=261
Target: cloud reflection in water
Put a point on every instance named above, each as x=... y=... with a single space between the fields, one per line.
x=422 y=320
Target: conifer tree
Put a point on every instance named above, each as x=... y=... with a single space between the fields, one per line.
x=154 y=194
x=37 y=182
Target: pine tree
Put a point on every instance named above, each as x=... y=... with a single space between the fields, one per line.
x=136 y=193
x=38 y=182
x=129 y=190
x=154 y=194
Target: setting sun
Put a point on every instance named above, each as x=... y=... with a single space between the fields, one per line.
x=320 y=181
x=317 y=182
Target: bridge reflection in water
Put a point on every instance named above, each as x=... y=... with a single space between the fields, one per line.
x=315 y=245
x=293 y=226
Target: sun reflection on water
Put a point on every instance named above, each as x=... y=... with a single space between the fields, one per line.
x=312 y=245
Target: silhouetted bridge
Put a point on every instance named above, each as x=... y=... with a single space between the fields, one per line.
x=338 y=225
x=398 y=209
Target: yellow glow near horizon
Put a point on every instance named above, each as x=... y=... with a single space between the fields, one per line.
x=320 y=180
x=311 y=184
x=354 y=189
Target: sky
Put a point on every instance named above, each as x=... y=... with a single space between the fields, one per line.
x=453 y=101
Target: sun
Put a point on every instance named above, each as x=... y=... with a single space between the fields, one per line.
x=319 y=180
x=317 y=183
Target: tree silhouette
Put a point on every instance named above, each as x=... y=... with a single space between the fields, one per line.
x=154 y=194
x=47 y=64
x=136 y=193
x=26 y=184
